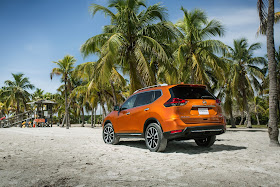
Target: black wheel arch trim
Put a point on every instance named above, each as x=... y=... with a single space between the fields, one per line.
x=148 y=121
x=107 y=121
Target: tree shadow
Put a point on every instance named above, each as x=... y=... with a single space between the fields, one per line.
x=186 y=147
x=247 y=130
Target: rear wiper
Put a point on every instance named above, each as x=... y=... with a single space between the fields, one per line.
x=207 y=96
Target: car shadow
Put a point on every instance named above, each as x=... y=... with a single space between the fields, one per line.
x=187 y=147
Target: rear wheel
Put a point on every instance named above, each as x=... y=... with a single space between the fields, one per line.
x=109 y=135
x=206 y=142
x=154 y=138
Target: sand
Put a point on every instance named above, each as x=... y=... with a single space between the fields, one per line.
x=78 y=157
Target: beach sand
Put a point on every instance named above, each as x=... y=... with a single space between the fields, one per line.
x=78 y=157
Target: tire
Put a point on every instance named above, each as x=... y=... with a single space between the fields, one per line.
x=154 y=138
x=109 y=136
x=206 y=142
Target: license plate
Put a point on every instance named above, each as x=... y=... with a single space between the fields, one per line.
x=203 y=111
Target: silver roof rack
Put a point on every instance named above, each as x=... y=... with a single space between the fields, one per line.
x=158 y=85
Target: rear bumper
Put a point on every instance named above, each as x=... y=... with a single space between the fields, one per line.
x=196 y=132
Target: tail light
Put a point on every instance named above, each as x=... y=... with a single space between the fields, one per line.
x=218 y=101
x=175 y=102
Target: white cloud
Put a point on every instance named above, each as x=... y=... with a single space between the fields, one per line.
x=242 y=22
x=235 y=18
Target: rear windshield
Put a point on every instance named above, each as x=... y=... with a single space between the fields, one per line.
x=183 y=92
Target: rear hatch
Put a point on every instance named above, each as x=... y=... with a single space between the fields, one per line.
x=200 y=105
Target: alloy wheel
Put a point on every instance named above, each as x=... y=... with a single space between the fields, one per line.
x=108 y=134
x=152 y=137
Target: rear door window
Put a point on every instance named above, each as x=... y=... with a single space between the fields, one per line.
x=157 y=94
x=144 y=98
x=184 y=92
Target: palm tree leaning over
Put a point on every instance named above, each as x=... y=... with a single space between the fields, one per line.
x=65 y=68
x=266 y=15
x=132 y=40
x=196 y=53
x=246 y=73
x=15 y=91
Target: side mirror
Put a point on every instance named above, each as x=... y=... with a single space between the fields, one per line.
x=116 y=108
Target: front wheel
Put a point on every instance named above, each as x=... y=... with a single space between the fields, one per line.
x=154 y=138
x=109 y=136
x=206 y=142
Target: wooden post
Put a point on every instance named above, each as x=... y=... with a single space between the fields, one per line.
x=51 y=115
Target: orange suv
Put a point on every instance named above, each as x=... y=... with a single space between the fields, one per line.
x=167 y=112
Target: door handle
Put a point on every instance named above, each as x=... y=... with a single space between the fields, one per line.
x=146 y=109
x=128 y=113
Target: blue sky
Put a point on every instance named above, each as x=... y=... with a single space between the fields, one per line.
x=36 y=32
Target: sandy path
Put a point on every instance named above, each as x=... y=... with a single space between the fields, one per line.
x=78 y=157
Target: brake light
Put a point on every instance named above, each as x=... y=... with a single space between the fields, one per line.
x=218 y=101
x=175 y=102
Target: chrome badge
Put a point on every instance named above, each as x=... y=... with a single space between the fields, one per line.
x=204 y=102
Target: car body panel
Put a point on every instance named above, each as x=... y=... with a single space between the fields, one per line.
x=141 y=113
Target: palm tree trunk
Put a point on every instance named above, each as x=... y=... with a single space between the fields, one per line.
x=242 y=117
x=232 y=120
x=114 y=93
x=63 y=121
x=249 y=123
x=257 y=114
x=102 y=105
x=66 y=108
x=69 y=119
x=24 y=104
x=17 y=111
x=273 y=130
x=91 y=119
x=258 y=121
x=279 y=108
x=83 y=116
x=135 y=82
x=94 y=122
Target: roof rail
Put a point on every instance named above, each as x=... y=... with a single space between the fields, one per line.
x=158 y=85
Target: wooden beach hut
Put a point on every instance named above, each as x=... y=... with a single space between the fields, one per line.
x=43 y=111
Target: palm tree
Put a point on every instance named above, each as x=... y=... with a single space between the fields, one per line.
x=246 y=73
x=15 y=91
x=196 y=53
x=132 y=40
x=266 y=15
x=2 y=109
x=48 y=96
x=95 y=90
x=38 y=94
x=262 y=8
x=258 y=108
x=65 y=68
x=226 y=92
x=60 y=107
x=2 y=105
